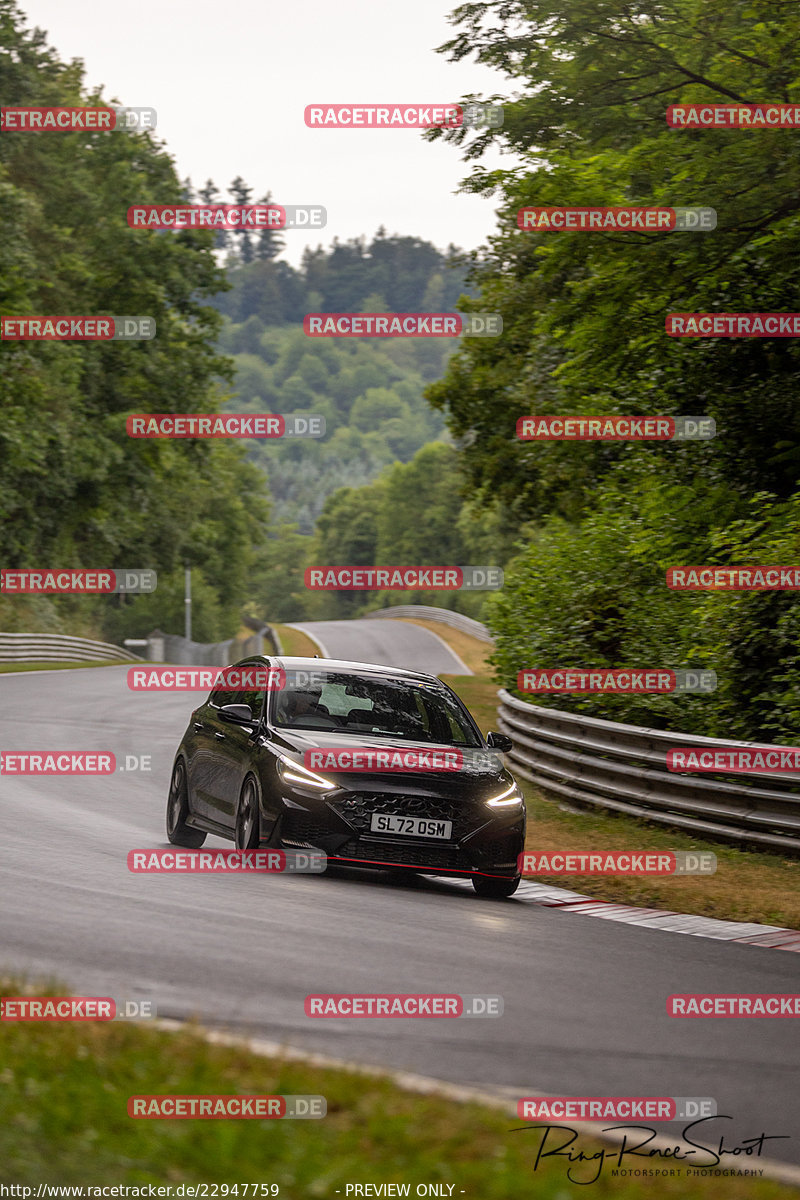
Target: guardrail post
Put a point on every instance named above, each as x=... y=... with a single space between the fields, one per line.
x=155 y=646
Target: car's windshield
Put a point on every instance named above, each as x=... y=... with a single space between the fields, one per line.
x=364 y=705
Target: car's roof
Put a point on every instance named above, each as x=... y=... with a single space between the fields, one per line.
x=292 y=663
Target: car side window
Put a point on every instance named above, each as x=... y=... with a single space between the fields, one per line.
x=422 y=709
x=222 y=695
x=249 y=692
x=254 y=697
x=457 y=732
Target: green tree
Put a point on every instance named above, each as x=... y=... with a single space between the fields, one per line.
x=210 y=195
x=243 y=194
x=346 y=535
x=584 y=313
x=584 y=332
x=269 y=242
x=75 y=490
x=276 y=588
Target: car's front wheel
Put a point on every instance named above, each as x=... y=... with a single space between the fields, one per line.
x=178 y=832
x=246 y=831
x=495 y=889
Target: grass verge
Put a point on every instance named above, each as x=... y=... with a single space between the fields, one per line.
x=471 y=652
x=747 y=885
x=63 y=1120
x=296 y=643
x=12 y=668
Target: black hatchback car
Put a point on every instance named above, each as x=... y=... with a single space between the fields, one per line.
x=270 y=764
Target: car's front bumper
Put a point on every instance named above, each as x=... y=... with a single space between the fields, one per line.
x=481 y=842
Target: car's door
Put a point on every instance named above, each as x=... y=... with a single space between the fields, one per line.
x=234 y=744
x=204 y=764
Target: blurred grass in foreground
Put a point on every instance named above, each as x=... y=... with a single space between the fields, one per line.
x=63 y=1120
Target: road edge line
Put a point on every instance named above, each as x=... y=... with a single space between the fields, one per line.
x=440 y=639
x=409 y=1081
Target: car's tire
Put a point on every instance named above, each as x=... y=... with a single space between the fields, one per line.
x=495 y=889
x=178 y=832
x=246 y=831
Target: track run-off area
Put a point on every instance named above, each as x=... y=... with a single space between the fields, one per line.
x=584 y=1000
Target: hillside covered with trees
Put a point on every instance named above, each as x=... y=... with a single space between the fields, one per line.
x=370 y=391
x=74 y=489
x=421 y=462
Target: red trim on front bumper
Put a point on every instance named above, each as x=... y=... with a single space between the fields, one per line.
x=373 y=862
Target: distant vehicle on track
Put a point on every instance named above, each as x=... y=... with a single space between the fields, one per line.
x=271 y=764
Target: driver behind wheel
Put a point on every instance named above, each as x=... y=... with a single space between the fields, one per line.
x=301 y=702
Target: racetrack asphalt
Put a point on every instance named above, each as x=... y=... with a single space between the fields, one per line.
x=584 y=1000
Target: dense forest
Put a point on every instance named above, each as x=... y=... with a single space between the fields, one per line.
x=74 y=489
x=584 y=318
x=370 y=391
x=587 y=530
x=420 y=462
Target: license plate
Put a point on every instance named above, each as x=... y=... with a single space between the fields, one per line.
x=410 y=826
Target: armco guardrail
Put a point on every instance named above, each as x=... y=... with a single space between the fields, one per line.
x=46 y=647
x=269 y=635
x=622 y=768
x=171 y=648
x=427 y=612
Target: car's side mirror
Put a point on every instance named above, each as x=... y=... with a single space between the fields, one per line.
x=237 y=714
x=499 y=741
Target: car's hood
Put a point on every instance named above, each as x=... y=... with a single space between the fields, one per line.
x=319 y=749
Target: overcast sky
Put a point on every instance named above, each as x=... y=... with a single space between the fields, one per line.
x=230 y=82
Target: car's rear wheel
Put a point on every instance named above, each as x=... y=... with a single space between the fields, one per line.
x=178 y=832
x=495 y=889
x=246 y=831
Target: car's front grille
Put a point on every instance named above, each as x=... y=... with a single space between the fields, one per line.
x=357 y=811
x=436 y=857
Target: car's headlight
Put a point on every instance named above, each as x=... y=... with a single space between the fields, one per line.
x=505 y=799
x=294 y=772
